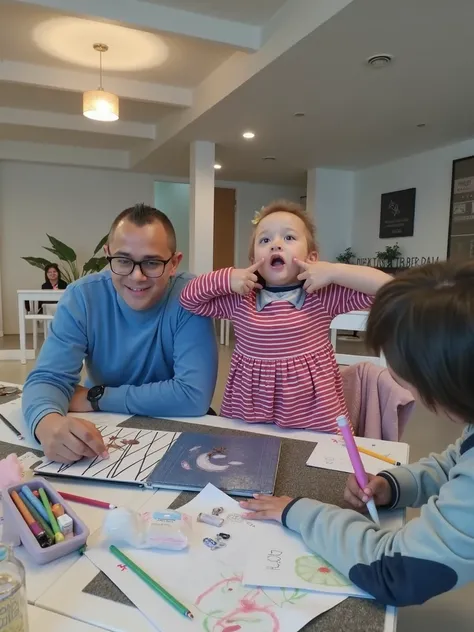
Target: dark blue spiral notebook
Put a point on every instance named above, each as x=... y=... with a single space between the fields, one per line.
x=237 y=465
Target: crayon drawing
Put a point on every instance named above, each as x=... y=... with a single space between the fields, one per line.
x=133 y=454
x=229 y=606
x=316 y=571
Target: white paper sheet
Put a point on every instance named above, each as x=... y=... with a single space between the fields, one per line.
x=209 y=582
x=133 y=456
x=331 y=454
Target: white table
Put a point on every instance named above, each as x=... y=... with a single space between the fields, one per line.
x=58 y=587
x=40 y=620
x=353 y=321
x=33 y=296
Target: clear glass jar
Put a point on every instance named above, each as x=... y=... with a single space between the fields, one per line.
x=13 y=603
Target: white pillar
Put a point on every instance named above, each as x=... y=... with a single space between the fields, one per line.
x=331 y=202
x=1 y=308
x=201 y=217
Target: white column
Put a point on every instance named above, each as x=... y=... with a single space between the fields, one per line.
x=201 y=217
x=331 y=202
x=1 y=308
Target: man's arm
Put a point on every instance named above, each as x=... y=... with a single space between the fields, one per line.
x=189 y=392
x=50 y=385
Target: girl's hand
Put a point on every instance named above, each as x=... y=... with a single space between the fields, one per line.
x=265 y=507
x=315 y=274
x=244 y=280
x=377 y=488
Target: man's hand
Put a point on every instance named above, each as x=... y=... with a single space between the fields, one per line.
x=265 y=507
x=377 y=488
x=244 y=280
x=69 y=439
x=316 y=274
x=79 y=402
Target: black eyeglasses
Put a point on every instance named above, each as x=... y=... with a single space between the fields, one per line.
x=151 y=268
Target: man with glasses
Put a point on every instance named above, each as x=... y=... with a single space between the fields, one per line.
x=144 y=354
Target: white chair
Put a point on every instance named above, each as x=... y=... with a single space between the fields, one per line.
x=36 y=319
x=353 y=321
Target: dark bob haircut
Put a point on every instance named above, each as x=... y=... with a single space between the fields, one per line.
x=423 y=321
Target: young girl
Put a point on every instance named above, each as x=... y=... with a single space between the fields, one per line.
x=423 y=321
x=283 y=368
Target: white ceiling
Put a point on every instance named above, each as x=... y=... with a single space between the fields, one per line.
x=248 y=11
x=221 y=77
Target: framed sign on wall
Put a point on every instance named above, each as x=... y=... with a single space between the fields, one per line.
x=461 y=213
x=397 y=214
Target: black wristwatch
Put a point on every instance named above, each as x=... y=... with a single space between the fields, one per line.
x=94 y=394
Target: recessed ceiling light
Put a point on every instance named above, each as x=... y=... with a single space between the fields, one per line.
x=299 y=114
x=379 y=61
x=248 y=135
x=421 y=125
x=269 y=158
x=217 y=166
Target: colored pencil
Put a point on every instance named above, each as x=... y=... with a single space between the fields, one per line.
x=36 y=502
x=38 y=518
x=58 y=536
x=151 y=582
x=376 y=455
x=87 y=501
x=34 y=527
x=11 y=426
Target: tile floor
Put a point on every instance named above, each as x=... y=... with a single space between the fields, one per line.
x=425 y=433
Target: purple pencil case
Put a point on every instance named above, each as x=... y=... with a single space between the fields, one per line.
x=16 y=531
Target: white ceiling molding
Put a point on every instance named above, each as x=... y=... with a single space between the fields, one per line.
x=77 y=123
x=50 y=77
x=306 y=17
x=159 y=18
x=63 y=155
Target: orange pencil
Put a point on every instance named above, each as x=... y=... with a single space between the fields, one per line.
x=36 y=530
x=376 y=455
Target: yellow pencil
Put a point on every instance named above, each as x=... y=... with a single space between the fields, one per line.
x=376 y=455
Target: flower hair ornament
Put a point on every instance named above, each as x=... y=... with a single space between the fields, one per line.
x=257 y=216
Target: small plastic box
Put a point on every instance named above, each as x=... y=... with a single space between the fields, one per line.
x=16 y=531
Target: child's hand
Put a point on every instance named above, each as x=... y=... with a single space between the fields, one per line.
x=244 y=280
x=377 y=488
x=315 y=274
x=265 y=507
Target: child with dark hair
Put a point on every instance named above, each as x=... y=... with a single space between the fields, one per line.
x=423 y=321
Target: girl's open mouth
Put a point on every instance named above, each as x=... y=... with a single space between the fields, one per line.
x=277 y=261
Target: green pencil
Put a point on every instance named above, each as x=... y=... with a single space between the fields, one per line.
x=58 y=536
x=37 y=517
x=151 y=582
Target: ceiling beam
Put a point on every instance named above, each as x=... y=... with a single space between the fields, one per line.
x=63 y=155
x=74 y=122
x=60 y=79
x=154 y=17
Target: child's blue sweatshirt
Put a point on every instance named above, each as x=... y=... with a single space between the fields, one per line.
x=430 y=555
x=157 y=362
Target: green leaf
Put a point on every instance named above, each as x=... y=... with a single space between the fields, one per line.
x=95 y=264
x=37 y=262
x=101 y=244
x=65 y=253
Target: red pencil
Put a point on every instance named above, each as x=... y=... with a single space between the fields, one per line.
x=87 y=501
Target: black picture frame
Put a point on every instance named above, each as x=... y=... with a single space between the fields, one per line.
x=460 y=244
x=397 y=214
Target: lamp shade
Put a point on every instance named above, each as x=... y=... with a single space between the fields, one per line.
x=100 y=105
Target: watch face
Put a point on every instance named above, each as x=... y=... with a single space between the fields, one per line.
x=95 y=392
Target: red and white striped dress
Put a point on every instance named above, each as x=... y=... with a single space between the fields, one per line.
x=283 y=369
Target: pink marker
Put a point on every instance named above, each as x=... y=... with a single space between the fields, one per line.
x=356 y=461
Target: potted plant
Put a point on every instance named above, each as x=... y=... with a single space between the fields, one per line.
x=346 y=256
x=389 y=255
x=68 y=260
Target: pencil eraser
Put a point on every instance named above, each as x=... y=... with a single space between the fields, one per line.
x=65 y=524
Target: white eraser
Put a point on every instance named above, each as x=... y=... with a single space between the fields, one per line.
x=65 y=524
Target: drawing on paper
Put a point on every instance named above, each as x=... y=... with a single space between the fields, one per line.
x=229 y=606
x=133 y=454
x=212 y=461
x=316 y=571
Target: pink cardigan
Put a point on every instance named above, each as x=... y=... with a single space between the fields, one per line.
x=379 y=408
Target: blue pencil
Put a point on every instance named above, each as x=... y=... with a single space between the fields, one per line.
x=37 y=504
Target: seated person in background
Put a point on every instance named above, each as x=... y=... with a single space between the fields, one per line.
x=284 y=368
x=52 y=278
x=144 y=354
x=423 y=321
x=52 y=281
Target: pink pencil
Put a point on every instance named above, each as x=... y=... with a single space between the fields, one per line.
x=87 y=501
